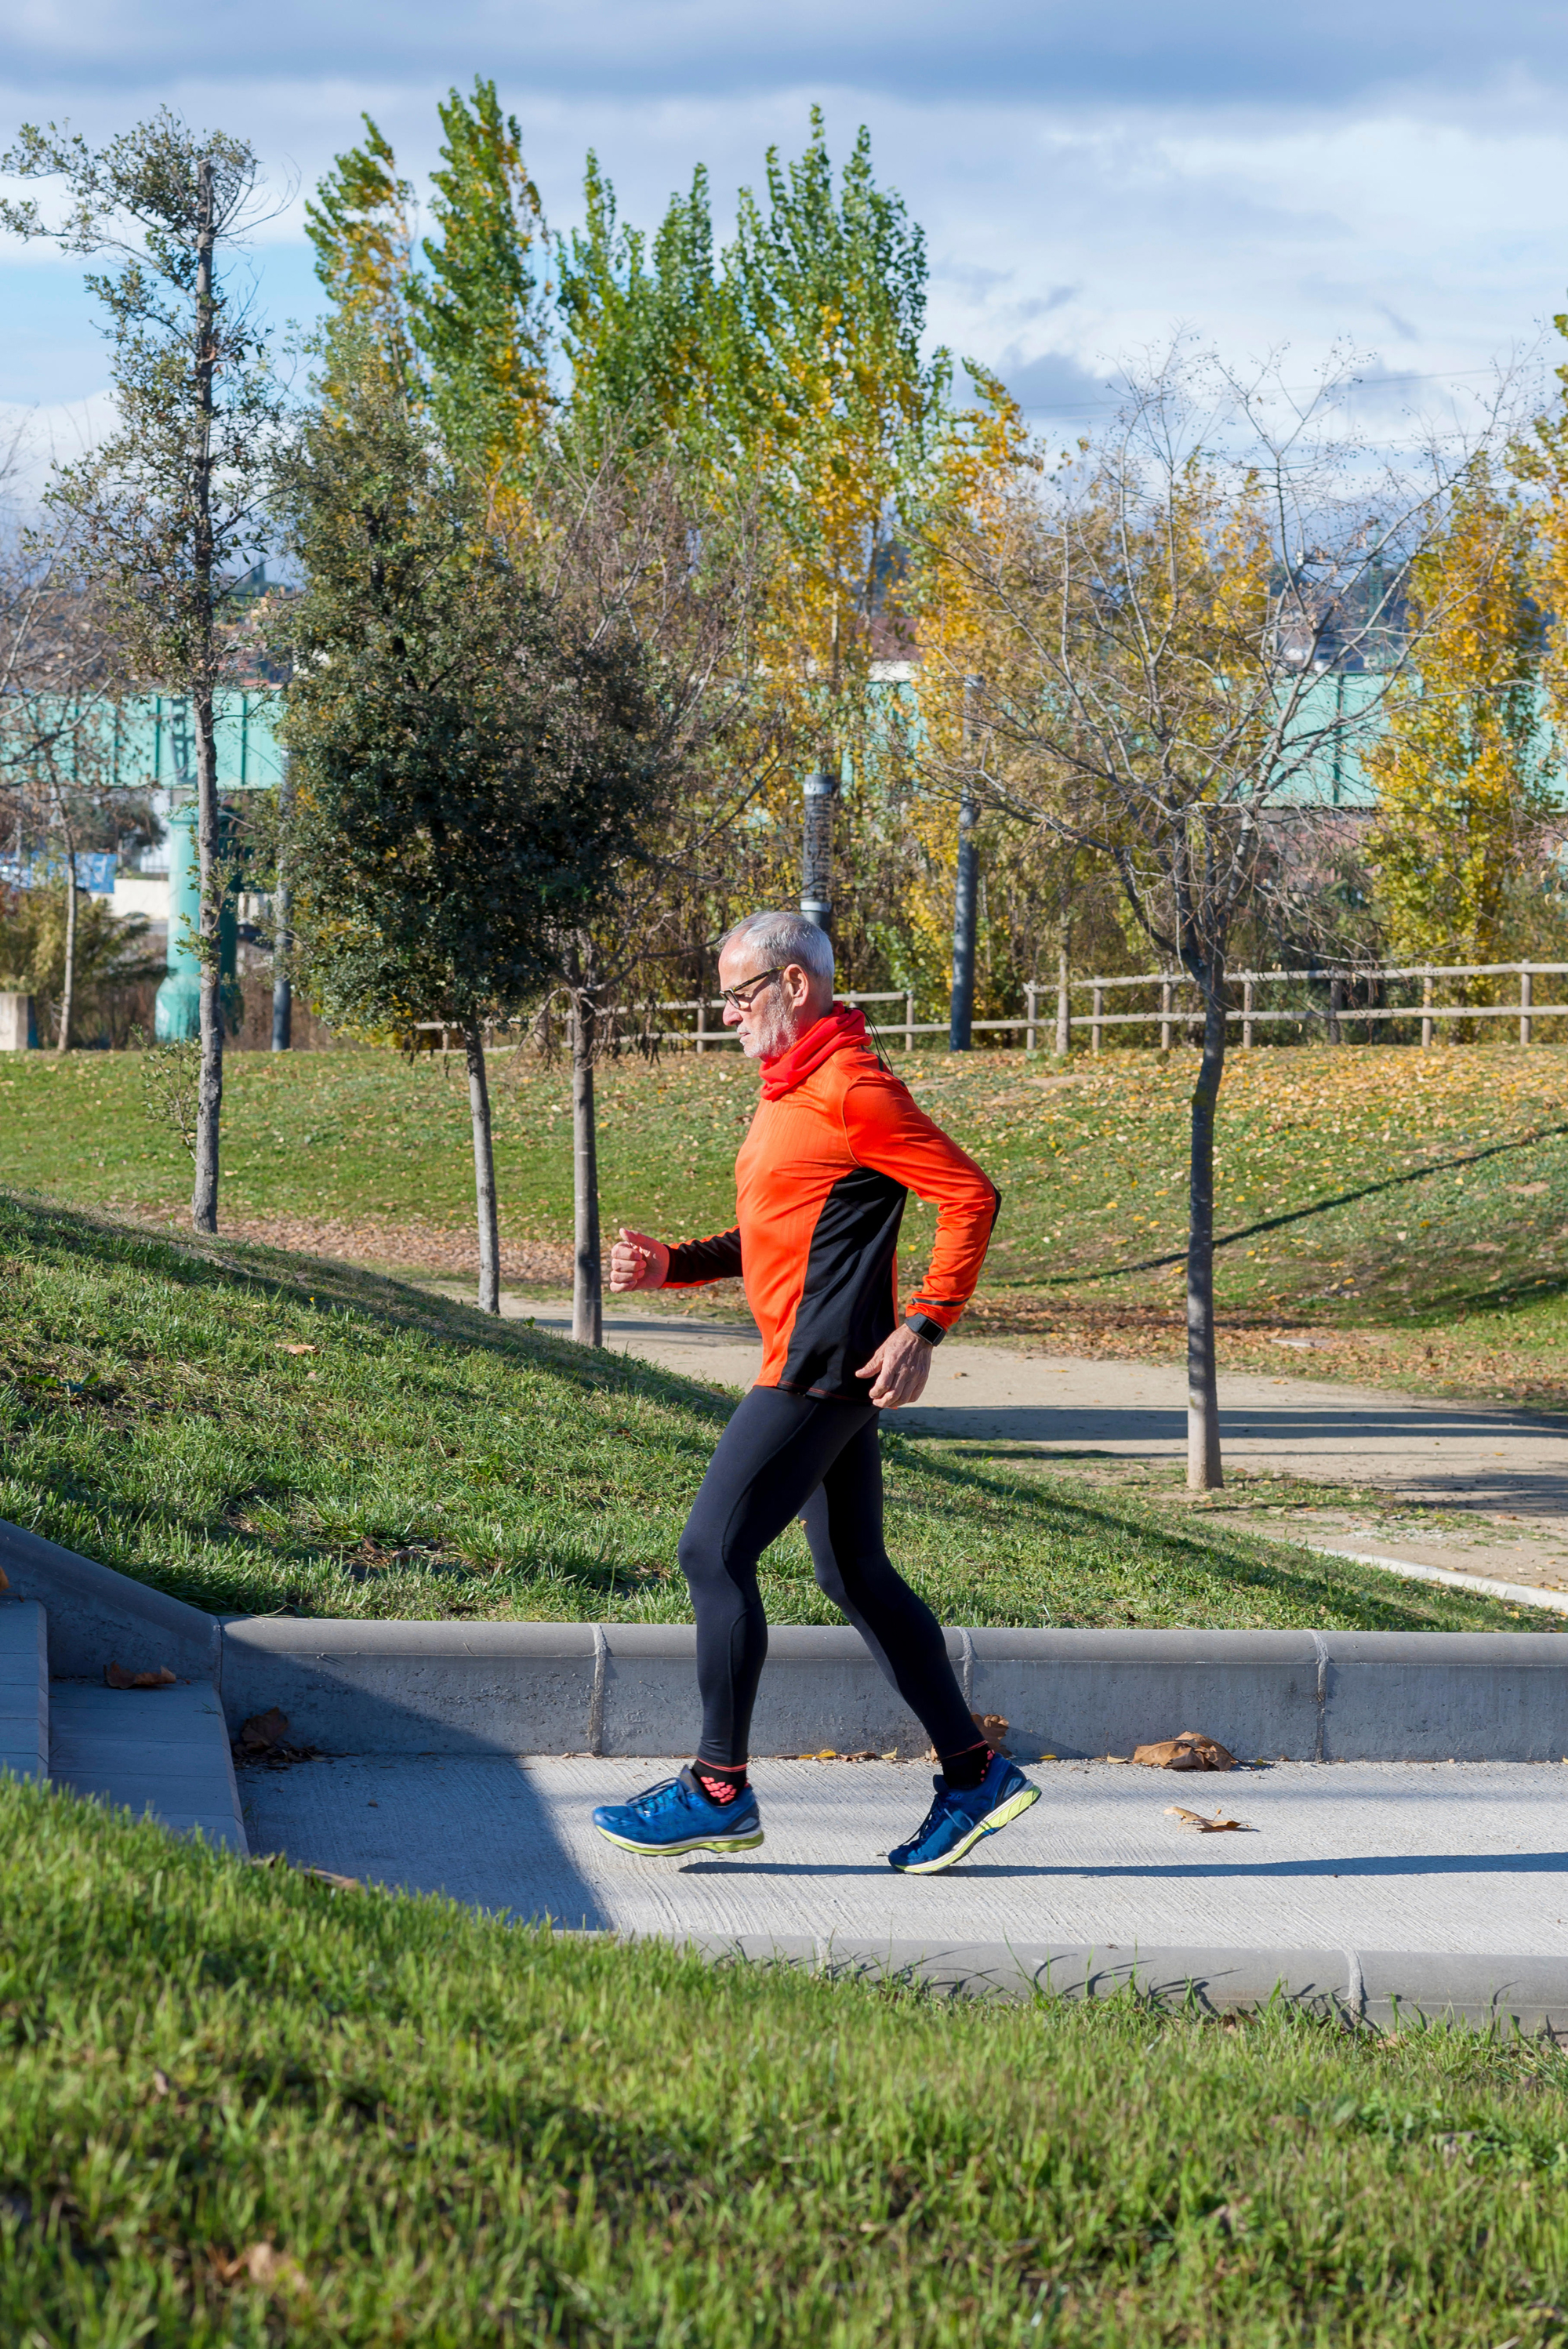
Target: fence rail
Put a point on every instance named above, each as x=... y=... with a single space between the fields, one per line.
x=1050 y=1007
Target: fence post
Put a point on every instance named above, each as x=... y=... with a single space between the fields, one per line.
x=1098 y=1012
x=1064 y=1009
x=701 y=1024
x=1165 y=1015
x=1524 y=1001
x=1247 y=1000
x=1031 y=1008
x=1336 y=1005
x=1426 y=1012
x=909 y=1021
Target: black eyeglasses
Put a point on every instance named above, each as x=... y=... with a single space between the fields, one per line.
x=744 y=996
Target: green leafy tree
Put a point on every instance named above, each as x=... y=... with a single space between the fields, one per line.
x=478 y=319
x=643 y=318
x=168 y=515
x=469 y=756
x=360 y=227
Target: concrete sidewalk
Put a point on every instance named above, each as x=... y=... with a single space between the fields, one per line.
x=1485 y=1465
x=1450 y=1858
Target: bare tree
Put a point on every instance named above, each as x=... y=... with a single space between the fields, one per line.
x=165 y=518
x=1183 y=624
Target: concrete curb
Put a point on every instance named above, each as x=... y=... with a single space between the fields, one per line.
x=1380 y=1988
x=630 y=1688
x=447 y=1687
x=98 y=1616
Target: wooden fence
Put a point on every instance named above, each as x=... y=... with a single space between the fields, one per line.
x=1049 y=1017
x=1176 y=1013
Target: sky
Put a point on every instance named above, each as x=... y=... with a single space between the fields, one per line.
x=1386 y=179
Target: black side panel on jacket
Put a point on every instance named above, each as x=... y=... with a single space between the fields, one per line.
x=847 y=1304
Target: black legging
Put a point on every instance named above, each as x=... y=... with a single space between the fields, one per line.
x=794 y=1455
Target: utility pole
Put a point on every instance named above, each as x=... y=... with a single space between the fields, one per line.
x=283 y=984
x=965 y=900
x=817 y=848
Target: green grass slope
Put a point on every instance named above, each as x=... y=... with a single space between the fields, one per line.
x=240 y=2108
x=259 y=1431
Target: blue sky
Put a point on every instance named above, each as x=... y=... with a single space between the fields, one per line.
x=1389 y=177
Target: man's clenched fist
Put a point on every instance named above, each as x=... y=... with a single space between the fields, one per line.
x=638 y=1262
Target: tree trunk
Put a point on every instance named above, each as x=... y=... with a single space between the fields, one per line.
x=210 y=1091
x=1204 y=1470
x=484 y=1169
x=587 y=1290
x=68 y=984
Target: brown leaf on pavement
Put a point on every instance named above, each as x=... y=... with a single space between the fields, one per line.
x=263 y=1730
x=162 y=1677
x=4 y=1580
x=1190 y=1751
x=1218 y=1825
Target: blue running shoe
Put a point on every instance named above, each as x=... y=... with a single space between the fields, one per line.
x=676 y=1815
x=955 y=1822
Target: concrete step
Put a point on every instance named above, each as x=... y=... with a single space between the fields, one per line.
x=161 y=1752
x=23 y=1690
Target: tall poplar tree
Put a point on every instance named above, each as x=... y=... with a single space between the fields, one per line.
x=479 y=316
x=168 y=514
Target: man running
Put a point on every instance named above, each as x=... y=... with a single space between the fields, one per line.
x=833 y=1151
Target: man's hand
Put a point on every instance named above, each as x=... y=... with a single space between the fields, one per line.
x=638 y=1262
x=899 y=1369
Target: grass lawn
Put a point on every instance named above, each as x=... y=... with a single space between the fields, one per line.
x=238 y=2106
x=258 y=1432
x=1444 y=1265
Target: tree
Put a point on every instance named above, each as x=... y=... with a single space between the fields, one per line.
x=1463 y=795
x=474 y=735
x=1161 y=611
x=478 y=317
x=643 y=321
x=167 y=517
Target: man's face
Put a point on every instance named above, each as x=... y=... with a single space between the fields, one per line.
x=774 y=1011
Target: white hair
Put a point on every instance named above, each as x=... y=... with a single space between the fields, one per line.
x=784 y=938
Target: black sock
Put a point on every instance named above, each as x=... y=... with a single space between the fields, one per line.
x=721 y=1781
x=965 y=1770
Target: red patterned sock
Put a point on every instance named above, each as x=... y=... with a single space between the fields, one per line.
x=720 y=1782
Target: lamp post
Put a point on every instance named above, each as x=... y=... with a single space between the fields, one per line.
x=965 y=901
x=817 y=849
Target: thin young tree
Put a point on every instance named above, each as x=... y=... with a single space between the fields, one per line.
x=1164 y=615
x=167 y=516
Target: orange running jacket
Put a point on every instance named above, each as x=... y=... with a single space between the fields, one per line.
x=821 y=1185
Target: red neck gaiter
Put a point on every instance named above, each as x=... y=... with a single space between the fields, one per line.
x=833 y=1032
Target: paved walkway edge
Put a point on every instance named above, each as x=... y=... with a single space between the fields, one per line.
x=1381 y=1988
x=1519 y=1594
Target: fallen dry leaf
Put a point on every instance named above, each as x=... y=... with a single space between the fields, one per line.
x=339 y=1883
x=161 y=2083
x=1190 y=1751
x=1216 y=1825
x=262 y=2265
x=992 y=1728
x=115 y=1678
x=285 y=1348
x=265 y=1729
x=5 y=1582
